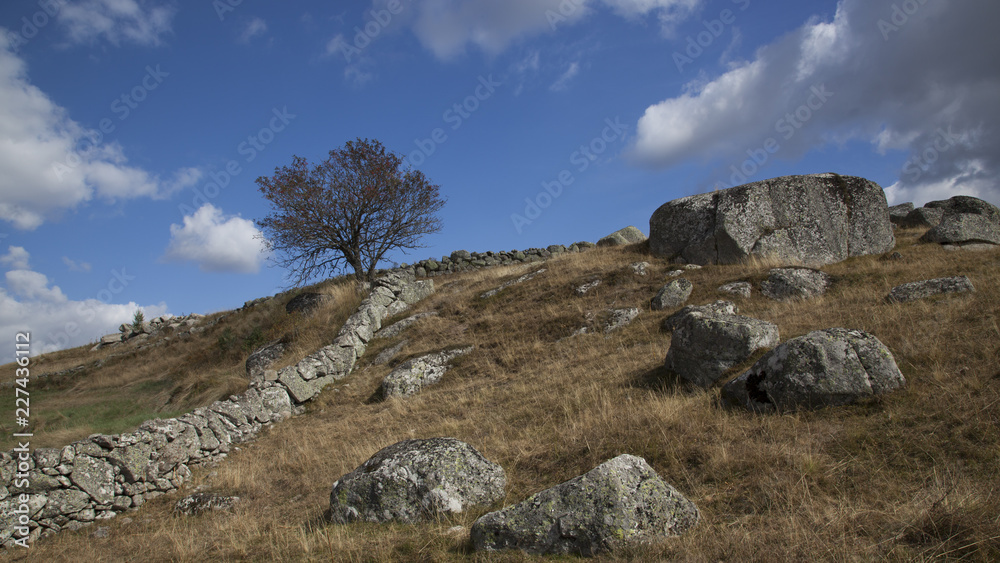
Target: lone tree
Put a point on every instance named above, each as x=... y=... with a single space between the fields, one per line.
x=349 y=210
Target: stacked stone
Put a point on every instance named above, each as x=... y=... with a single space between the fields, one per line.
x=463 y=260
x=97 y=478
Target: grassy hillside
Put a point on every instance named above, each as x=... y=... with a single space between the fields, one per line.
x=912 y=476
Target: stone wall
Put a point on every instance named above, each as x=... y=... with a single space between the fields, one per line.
x=463 y=260
x=45 y=490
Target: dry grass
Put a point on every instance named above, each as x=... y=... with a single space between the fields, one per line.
x=135 y=384
x=909 y=477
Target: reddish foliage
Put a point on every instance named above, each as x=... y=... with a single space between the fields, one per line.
x=349 y=210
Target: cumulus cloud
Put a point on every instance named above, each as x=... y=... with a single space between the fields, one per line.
x=50 y=163
x=253 y=28
x=29 y=302
x=923 y=84
x=448 y=27
x=216 y=242
x=17 y=258
x=142 y=22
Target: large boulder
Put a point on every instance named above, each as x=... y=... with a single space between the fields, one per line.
x=923 y=289
x=718 y=308
x=967 y=220
x=623 y=237
x=823 y=368
x=815 y=220
x=921 y=218
x=783 y=284
x=620 y=501
x=417 y=480
x=898 y=213
x=705 y=346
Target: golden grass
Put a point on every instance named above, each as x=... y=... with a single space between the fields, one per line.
x=912 y=476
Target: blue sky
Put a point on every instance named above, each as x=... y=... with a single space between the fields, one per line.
x=131 y=131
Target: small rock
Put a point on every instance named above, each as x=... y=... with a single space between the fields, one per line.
x=626 y=236
x=740 y=289
x=784 y=284
x=639 y=268
x=583 y=289
x=674 y=294
x=923 y=289
x=198 y=503
x=620 y=318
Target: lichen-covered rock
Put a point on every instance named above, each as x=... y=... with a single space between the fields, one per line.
x=897 y=213
x=783 y=284
x=95 y=477
x=718 y=308
x=639 y=268
x=623 y=237
x=923 y=289
x=399 y=326
x=674 y=294
x=526 y=277
x=193 y=505
x=413 y=375
x=815 y=220
x=705 y=346
x=417 y=480
x=262 y=360
x=921 y=218
x=306 y=302
x=823 y=368
x=620 y=501
x=739 y=289
x=967 y=220
x=620 y=318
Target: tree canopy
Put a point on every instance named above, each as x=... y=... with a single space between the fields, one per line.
x=348 y=210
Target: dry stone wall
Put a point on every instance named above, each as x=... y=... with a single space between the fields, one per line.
x=45 y=490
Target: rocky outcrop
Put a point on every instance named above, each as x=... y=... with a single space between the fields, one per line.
x=966 y=221
x=620 y=318
x=399 y=326
x=305 y=302
x=412 y=376
x=417 y=480
x=923 y=289
x=898 y=213
x=705 y=346
x=674 y=294
x=823 y=368
x=198 y=503
x=783 y=284
x=621 y=501
x=585 y=288
x=157 y=327
x=623 y=237
x=739 y=289
x=814 y=220
x=526 y=277
x=718 y=308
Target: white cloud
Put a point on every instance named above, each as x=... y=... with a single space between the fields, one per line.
x=16 y=257
x=75 y=266
x=448 y=27
x=30 y=303
x=142 y=22
x=253 y=28
x=926 y=86
x=563 y=81
x=50 y=163
x=216 y=242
